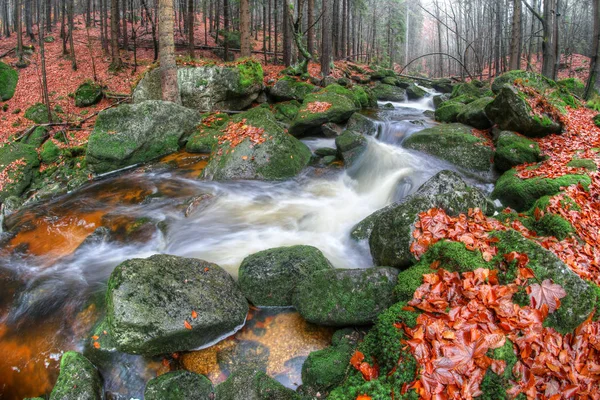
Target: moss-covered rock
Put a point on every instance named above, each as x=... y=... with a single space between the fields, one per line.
x=49 y=152
x=232 y=86
x=288 y=88
x=597 y=120
x=204 y=140
x=18 y=162
x=586 y=163
x=88 y=94
x=474 y=114
x=573 y=85
x=465 y=92
x=448 y=111
x=414 y=92
x=78 y=379
x=150 y=300
x=8 y=82
x=513 y=150
x=350 y=147
x=343 y=297
x=360 y=124
x=286 y=111
x=179 y=385
x=138 y=133
x=38 y=113
x=308 y=122
x=521 y=194
x=268 y=278
x=391 y=234
x=365 y=96
x=442 y=85
x=252 y=385
x=454 y=143
x=279 y=156
x=526 y=78
x=385 y=92
x=37 y=137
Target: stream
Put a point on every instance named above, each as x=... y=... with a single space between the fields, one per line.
x=53 y=274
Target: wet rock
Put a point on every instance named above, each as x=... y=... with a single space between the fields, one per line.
x=286 y=112
x=454 y=143
x=268 y=278
x=78 y=379
x=325 y=151
x=288 y=88
x=331 y=129
x=391 y=234
x=360 y=124
x=203 y=141
x=208 y=88
x=138 y=133
x=350 y=147
x=198 y=203
x=280 y=156
x=385 y=92
x=448 y=111
x=245 y=354
x=88 y=94
x=513 y=150
x=443 y=85
x=365 y=96
x=252 y=385
x=414 y=92
x=474 y=114
x=439 y=99
x=150 y=300
x=8 y=82
x=345 y=297
x=179 y=385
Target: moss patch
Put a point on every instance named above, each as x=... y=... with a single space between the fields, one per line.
x=513 y=150
x=8 y=82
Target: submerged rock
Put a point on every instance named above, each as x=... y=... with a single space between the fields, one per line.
x=179 y=385
x=345 y=297
x=268 y=278
x=249 y=384
x=78 y=379
x=137 y=133
x=151 y=304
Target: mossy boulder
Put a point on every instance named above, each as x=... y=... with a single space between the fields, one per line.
x=597 y=120
x=521 y=194
x=494 y=386
x=279 y=156
x=573 y=85
x=286 y=111
x=18 y=162
x=350 y=147
x=474 y=114
x=454 y=143
x=49 y=152
x=414 y=92
x=249 y=384
x=365 y=96
x=392 y=229
x=448 y=111
x=8 y=82
x=385 y=92
x=38 y=113
x=268 y=278
x=179 y=385
x=345 y=297
x=465 y=92
x=204 y=140
x=531 y=79
x=360 y=124
x=513 y=150
x=232 y=86
x=442 y=85
x=288 y=88
x=78 y=379
x=138 y=133
x=149 y=302
x=309 y=122
x=88 y=94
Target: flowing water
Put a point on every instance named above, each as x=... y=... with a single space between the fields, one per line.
x=53 y=273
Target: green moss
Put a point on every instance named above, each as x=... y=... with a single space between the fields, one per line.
x=204 y=140
x=78 y=379
x=513 y=150
x=21 y=176
x=531 y=79
x=286 y=111
x=50 y=152
x=465 y=89
x=448 y=111
x=493 y=386
x=8 y=82
x=342 y=91
x=573 y=85
x=588 y=164
x=597 y=120
x=327 y=368
x=251 y=72
x=179 y=385
x=521 y=194
x=38 y=113
x=88 y=94
x=37 y=137
x=365 y=96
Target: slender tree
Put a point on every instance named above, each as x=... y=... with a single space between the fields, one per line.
x=245 y=34
x=326 y=38
x=45 y=95
x=168 y=65
x=593 y=84
x=190 y=25
x=515 y=41
x=116 y=63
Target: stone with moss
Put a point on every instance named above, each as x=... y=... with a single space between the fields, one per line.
x=248 y=384
x=474 y=114
x=414 y=92
x=361 y=124
x=350 y=147
x=88 y=94
x=391 y=234
x=8 y=82
x=18 y=162
x=342 y=91
x=232 y=86
x=443 y=85
x=280 y=156
x=340 y=109
x=448 y=111
x=37 y=137
x=179 y=385
x=527 y=78
x=365 y=96
x=268 y=278
x=149 y=302
x=573 y=85
x=521 y=194
x=379 y=73
x=454 y=143
x=345 y=297
x=548 y=225
x=597 y=120
x=494 y=386
x=513 y=150
x=465 y=90
x=204 y=140
x=49 y=152
x=78 y=379
x=586 y=163
x=38 y=113
x=137 y=133
x=385 y=92
x=286 y=111
x=288 y=88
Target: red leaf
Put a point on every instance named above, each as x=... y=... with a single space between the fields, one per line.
x=547 y=293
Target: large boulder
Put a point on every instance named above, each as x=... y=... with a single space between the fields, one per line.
x=454 y=143
x=78 y=379
x=361 y=124
x=510 y=111
x=137 y=133
x=8 y=82
x=179 y=385
x=391 y=234
x=18 y=163
x=473 y=114
x=414 y=92
x=345 y=297
x=268 y=278
x=212 y=87
x=442 y=85
x=164 y=304
x=88 y=94
x=249 y=384
x=385 y=92
x=513 y=150
x=350 y=147
x=288 y=88
x=254 y=146
x=448 y=111
x=328 y=105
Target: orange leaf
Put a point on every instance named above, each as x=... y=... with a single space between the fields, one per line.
x=187 y=325
x=96 y=345
x=194 y=314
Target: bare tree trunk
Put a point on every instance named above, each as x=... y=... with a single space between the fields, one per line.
x=19 y=30
x=44 y=76
x=168 y=65
x=287 y=42
x=515 y=41
x=226 y=28
x=548 y=48
x=124 y=25
x=190 y=24
x=593 y=85
x=71 y=27
x=48 y=15
x=275 y=2
x=326 y=38
x=116 y=63
x=245 y=34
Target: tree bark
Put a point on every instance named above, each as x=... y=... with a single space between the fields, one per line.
x=326 y=38
x=71 y=28
x=593 y=84
x=19 y=32
x=190 y=26
x=226 y=28
x=116 y=63
x=548 y=48
x=515 y=41
x=44 y=76
x=168 y=65
x=245 y=34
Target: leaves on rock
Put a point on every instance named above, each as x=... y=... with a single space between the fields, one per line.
x=548 y=294
x=318 y=106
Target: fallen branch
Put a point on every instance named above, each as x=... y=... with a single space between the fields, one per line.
x=7 y=53
x=416 y=78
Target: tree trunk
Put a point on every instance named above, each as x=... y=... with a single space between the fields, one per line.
x=548 y=48
x=287 y=42
x=44 y=76
x=326 y=38
x=116 y=63
x=6 y=23
x=71 y=28
x=515 y=41
x=19 y=32
x=593 y=84
x=124 y=25
x=190 y=26
x=245 y=34
x=168 y=65
x=28 y=20
x=48 y=15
